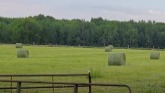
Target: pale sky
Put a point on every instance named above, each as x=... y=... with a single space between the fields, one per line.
x=121 y=10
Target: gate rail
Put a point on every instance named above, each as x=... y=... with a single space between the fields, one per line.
x=75 y=85
x=11 y=76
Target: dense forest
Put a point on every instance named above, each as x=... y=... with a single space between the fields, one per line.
x=96 y=32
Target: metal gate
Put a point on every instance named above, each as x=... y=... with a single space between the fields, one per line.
x=19 y=86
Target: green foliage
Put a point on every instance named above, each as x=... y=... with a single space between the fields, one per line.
x=95 y=73
x=98 y=32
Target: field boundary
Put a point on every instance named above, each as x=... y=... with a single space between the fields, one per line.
x=11 y=76
x=52 y=84
x=74 y=85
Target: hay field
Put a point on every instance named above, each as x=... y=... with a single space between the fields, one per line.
x=140 y=73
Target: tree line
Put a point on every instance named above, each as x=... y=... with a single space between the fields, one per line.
x=96 y=32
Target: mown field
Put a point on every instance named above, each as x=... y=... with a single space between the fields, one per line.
x=140 y=73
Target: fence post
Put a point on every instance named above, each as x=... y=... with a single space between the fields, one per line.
x=18 y=87
x=75 y=88
x=53 y=84
x=90 y=81
x=11 y=84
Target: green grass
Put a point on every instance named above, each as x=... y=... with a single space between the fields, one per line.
x=140 y=73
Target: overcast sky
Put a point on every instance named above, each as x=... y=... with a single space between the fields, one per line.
x=86 y=9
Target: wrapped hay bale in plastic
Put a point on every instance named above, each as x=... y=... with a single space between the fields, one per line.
x=155 y=55
x=18 y=45
x=22 y=53
x=117 y=59
x=109 y=48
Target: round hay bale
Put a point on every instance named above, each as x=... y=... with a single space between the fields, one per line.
x=117 y=59
x=22 y=53
x=155 y=55
x=18 y=45
x=109 y=48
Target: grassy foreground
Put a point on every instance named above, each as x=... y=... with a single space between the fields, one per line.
x=141 y=74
